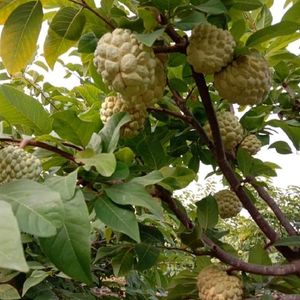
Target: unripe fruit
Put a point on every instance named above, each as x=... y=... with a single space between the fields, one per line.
x=230 y=129
x=16 y=163
x=251 y=144
x=137 y=113
x=228 y=203
x=210 y=48
x=247 y=80
x=215 y=284
x=125 y=64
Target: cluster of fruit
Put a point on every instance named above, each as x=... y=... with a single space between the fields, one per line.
x=133 y=72
x=213 y=284
x=16 y=163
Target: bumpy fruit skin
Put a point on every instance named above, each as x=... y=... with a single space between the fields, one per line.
x=228 y=203
x=126 y=65
x=230 y=129
x=210 y=48
x=251 y=144
x=137 y=112
x=16 y=163
x=214 y=284
x=247 y=80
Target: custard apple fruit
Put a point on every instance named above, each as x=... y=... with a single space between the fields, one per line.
x=251 y=144
x=16 y=163
x=126 y=65
x=155 y=90
x=210 y=48
x=215 y=284
x=230 y=129
x=228 y=203
x=247 y=80
x=137 y=112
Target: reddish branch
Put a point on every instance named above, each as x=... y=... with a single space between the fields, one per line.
x=42 y=145
x=275 y=208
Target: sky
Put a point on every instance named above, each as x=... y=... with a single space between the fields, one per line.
x=288 y=175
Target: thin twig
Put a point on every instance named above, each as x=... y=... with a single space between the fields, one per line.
x=86 y=6
x=42 y=145
x=275 y=208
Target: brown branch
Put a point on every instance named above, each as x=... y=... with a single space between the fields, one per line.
x=166 y=197
x=229 y=173
x=86 y=6
x=42 y=145
x=275 y=208
x=171 y=49
x=275 y=270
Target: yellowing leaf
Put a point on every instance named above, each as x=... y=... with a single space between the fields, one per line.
x=19 y=36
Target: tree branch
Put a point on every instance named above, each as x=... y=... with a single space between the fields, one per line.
x=86 y=6
x=42 y=145
x=229 y=173
x=275 y=270
x=275 y=208
x=171 y=49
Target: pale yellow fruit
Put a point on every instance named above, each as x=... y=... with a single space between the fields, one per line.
x=215 y=284
x=155 y=90
x=251 y=144
x=247 y=80
x=16 y=163
x=230 y=129
x=126 y=65
x=228 y=203
x=137 y=113
x=210 y=48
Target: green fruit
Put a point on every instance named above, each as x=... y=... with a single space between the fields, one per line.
x=137 y=113
x=247 y=80
x=230 y=129
x=228 y=203
x=210 y=48
x=215 y=284
x=16 y=163
x=125 y=64
x=251 y=144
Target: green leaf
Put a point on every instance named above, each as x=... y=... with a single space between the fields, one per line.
x=87 y=43
x=133 y=194
x=41 y=218
x=19 y=36
x=105 y=163
x=149 y=38
x=288 y=241
x=122 y=263
x=20 y=109
x=36 y=277
x=8 y=292
x=207 y=212
x=191 y=20
x=110 y=133
x=291 y=129
x=74 y=239
x=293 y=13
x=212 y=7
x=151 y=235
x=246 y=5
x=69 y=127
x=254 y=167
x=68 y=23
x=147 y=256
x=166 y=4
x=281 y=147
x=176 y=178
x=117 y=218
x=151 y=178
x=273 y=31
x=64 y=185
x=11 y=248
x=54 y=46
